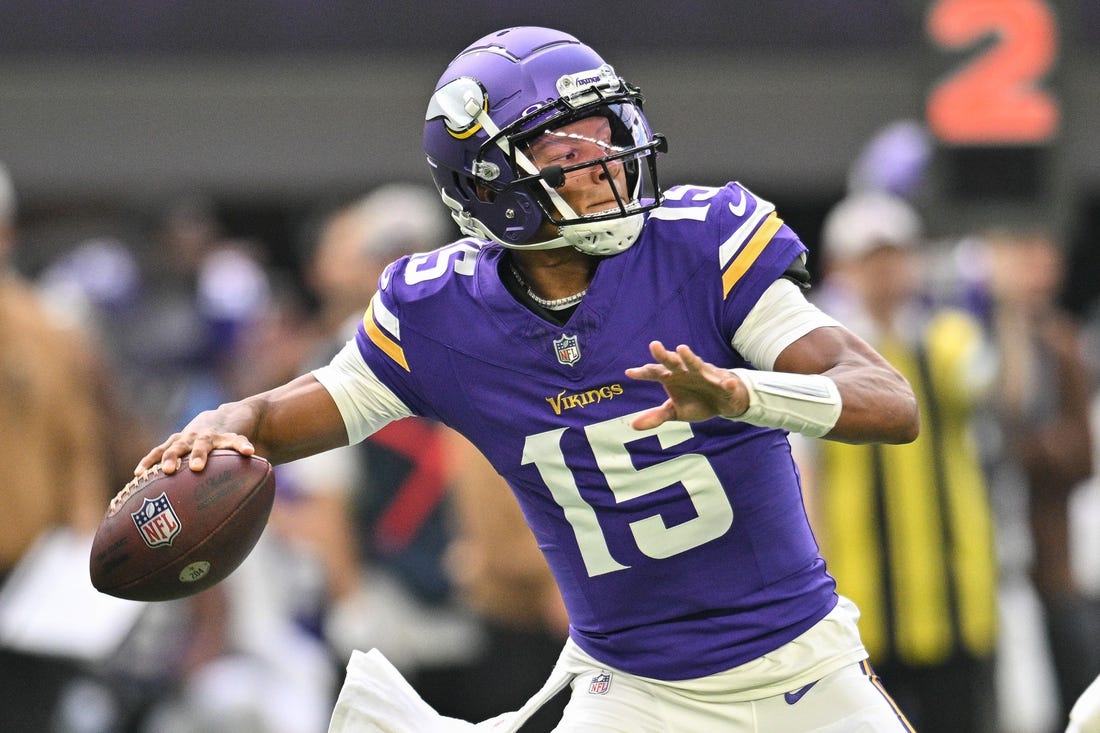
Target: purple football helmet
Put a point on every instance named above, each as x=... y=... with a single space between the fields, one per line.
x=507 y=89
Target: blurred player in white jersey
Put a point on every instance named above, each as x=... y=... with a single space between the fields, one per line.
x=631 y=361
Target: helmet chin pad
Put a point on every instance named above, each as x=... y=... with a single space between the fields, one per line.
x=608 y=237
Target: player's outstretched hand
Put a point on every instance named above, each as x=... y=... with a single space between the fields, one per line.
x=201 y=436
x=697 y=390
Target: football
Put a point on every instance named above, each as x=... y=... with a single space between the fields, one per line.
x=168 y=536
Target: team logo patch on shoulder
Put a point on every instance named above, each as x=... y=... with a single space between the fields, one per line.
x=156 y=521
x=600 y=683
x=567 y=349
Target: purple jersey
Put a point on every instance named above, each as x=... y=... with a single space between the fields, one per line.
x=680 y=551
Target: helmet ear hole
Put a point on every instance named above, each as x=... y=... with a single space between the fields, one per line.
x=458 y=183
x=484 y=193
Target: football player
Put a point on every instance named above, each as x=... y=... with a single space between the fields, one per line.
x=631 y=360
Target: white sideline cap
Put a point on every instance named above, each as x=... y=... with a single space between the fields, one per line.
x=868 y=220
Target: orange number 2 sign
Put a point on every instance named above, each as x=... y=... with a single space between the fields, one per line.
x=995 y=98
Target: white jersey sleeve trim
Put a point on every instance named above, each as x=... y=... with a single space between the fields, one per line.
x=365 y=403
x=779 y=318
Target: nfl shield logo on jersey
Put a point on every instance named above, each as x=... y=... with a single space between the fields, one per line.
x=156 y=521
x=567 y=349
x=600 y=683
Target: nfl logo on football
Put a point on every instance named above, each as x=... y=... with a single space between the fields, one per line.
x=600 y=683
x=156 y=521
x=567 y=349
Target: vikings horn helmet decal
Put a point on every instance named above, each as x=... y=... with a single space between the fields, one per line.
x=507 y=89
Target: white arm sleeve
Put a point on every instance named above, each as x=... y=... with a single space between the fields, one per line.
x=779 y=318
x=365 y=403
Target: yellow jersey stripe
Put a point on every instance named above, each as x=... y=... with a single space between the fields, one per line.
x=388 y=346
x=750 y=252
x=736 y=241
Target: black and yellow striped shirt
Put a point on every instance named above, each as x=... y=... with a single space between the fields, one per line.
x=907 y=530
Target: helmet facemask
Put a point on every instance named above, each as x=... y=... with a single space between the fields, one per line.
x=624 y=160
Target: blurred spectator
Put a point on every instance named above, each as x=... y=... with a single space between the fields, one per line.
x=375 y=516
x=215 y=326
x=55 y=469
x=96 y=285
x=243 y=664
x=195 y=323
x=400 y=519
x=908 y=530
x=201 y=295
x=355 y=244
x=1044 y=402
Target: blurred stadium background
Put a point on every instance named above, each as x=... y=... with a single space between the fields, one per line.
x=273 y=110
x=108 y=108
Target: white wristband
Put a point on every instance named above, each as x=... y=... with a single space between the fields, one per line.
x=800 y=403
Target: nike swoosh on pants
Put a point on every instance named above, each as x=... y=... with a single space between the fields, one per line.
x=793 y=697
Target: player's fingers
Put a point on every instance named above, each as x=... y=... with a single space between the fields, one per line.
x=200 y=449
x=192 y=446
x=669 y=364
x=172 y=458
x=234 y=441
x=691 y=361
x=670 y=359
x=157 y=455
x=650 y=372
x=657 y=349
x=654 y=417
x=148 y=461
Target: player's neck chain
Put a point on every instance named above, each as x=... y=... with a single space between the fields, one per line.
x=558 y=304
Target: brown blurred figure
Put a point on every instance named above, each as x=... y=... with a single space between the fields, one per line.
x=54 y=473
